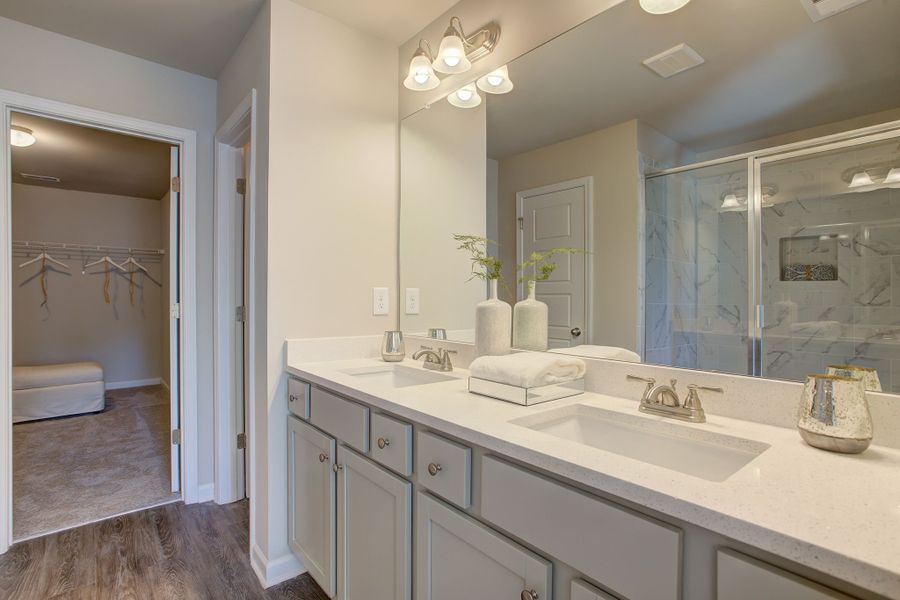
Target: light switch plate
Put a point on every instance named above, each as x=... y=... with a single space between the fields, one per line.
x=412 y=301
x=381 y=304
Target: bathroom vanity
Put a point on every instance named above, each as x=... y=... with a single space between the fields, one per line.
x=403 y=485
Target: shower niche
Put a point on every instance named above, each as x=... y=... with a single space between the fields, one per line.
x=809 y=258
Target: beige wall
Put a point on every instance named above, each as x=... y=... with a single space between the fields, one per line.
x=94 y=77
x=443 y=187
x=610 y=157
x=76 y=324
x=525 y=25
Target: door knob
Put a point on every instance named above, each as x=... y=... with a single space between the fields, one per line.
x=530 y=595
x=323 y=457
x=383 y=442
x=576 y=332
x=336 y=467
x=434 y=469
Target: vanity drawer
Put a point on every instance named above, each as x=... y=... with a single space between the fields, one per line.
x=298 y=397
x=445 y=468
x=637 y=557
x=585 y=591
x=740 y=577
x=392 y=443
x=344 y=419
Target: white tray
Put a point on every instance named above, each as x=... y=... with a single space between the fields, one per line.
x=525 y=396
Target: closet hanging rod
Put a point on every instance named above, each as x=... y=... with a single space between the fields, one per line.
x=21 y=244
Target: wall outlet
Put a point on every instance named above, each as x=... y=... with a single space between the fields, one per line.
x=381 y=304
x=412 y=301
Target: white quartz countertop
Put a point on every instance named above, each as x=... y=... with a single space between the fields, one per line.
x=838 y=514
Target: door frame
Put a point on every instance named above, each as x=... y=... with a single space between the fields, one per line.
x=229 y=464
x=588 y=184
x=186 y=139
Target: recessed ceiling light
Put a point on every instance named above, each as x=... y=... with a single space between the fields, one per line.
x=662 y=7
x=21 y=137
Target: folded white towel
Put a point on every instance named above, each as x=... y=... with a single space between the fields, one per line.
x=528 y=369
x=608 y=352
x=830 y=330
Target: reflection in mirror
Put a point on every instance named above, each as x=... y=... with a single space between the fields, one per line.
x=722 y=232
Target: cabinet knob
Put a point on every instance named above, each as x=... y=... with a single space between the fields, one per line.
x=530 y=595
x=383 y=443
x=434 y=469
x=323 y=457
x=292 y=398
x=336 y=467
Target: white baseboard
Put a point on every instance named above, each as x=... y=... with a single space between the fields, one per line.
x=273 y=572
x=123 y=385
x=164 y=383
x=206 y=492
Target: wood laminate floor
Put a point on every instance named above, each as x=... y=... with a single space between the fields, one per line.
x=172 y=552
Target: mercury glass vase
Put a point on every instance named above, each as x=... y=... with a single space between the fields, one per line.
x=493 y=324
x=869 y=376
x=530 y=320
x=834 y=414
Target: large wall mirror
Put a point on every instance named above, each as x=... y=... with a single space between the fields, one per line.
x=740 y=216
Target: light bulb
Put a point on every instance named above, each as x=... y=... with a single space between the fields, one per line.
x=662 y=7
x=421 y=76
x=21 y=137
x=451 y=56
x=465 y=97
x=496 y=82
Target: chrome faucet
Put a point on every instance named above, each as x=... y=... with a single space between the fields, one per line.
x=435 y=361
x=663 y=400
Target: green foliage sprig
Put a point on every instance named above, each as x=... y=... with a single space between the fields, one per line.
x=541 y=264
x=484 y=267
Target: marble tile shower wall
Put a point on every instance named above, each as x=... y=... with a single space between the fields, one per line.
x=696 y=281
x=852 y=320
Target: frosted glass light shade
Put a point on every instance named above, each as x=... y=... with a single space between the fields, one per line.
x=465 y=97
x=21 y=137
x=421 y=74
x=661 y=7
x=496 y=82
x=893 y=176
x=861 y=179
x=451 y=56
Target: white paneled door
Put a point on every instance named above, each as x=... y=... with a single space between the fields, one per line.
x=174 y=250
x=558 y=216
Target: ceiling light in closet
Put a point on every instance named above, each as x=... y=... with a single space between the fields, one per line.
x=496 y=82
x=661 y=7
x=21 y=137
x=465 y=97
x=861 y=179
x=421 y=74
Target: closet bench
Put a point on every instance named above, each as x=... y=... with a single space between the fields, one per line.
x=46 y=391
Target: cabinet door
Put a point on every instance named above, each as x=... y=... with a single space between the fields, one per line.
x=458 y=557
x=311 y=508
x=374 y=531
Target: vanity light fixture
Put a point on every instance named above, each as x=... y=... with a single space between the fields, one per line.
x=662 y=7
x=465 y=97
x=861 y=179
x=496 y=82
x=421 y=75
x=893 y=176
x=730 y=202
x=21 y=137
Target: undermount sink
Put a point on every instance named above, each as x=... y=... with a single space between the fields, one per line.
x=682 y=448
x=397 y=376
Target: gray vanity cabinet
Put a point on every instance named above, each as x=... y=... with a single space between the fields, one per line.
x=312 y=494
x=458 y=557
x=374 y=531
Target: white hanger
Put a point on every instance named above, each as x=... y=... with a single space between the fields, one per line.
x=131 y=261
x=43 y=256
x=108 y=260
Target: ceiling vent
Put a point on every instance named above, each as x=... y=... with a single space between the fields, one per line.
x=47 y=178
x=822 y=9
x=674 y=61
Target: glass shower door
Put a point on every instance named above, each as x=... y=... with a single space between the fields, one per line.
x=829 y=246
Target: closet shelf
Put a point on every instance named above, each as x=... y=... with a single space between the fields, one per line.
x=86 y=248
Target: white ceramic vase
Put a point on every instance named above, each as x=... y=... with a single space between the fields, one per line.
x=530 y=320
x=493 y=321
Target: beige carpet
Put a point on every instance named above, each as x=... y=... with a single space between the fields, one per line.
x=72 y=470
